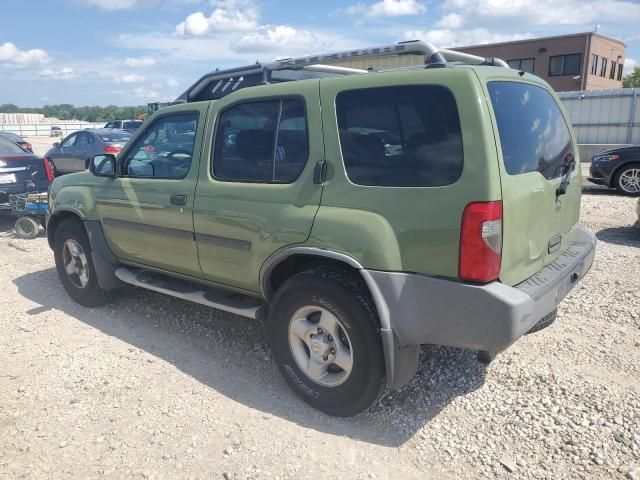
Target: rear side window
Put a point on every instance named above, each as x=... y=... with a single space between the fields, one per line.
x=400 y=136
x=533 y=133
x=263 y=141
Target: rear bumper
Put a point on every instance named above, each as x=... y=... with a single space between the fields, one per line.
x=489 y=317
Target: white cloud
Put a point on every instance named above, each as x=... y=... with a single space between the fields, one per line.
x=227 y=16
x=172 y=83
x=387 y=8
x=546 y=12
x=139 y=62
x=270 y=39
x=130 y=78
x=65 y=73
x=11 y=55
x=145 y=93
x=446 y=37
x=114 y=4
x=452 y=20
x=629 y=65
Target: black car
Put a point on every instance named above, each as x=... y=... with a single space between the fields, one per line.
x=617 y=168
x=21 y=171
x=73 y=153
x=18 y=140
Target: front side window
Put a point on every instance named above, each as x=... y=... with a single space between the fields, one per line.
x=70 y=141
x=533 y=132
x=263 y=141
x=165 y=150
x=400 y=136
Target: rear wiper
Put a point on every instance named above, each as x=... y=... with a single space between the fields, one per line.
x=567 y=168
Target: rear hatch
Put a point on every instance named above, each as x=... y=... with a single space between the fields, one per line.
x=21 y=173
x=539 y=174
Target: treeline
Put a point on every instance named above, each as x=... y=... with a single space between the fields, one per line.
x=66 y=111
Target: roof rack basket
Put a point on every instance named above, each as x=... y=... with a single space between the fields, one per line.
x=218 y=84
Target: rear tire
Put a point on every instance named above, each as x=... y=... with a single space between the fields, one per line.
x=74 y=264
x=627 y=180
x=338 y=369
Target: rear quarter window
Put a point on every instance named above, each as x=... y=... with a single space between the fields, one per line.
x=534 y=135
x=401 y=136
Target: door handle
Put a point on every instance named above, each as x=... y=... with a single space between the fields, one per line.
x=179 y=199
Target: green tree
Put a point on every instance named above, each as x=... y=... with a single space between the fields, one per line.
x=632 y=79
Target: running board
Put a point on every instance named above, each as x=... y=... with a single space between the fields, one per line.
x=222 y=300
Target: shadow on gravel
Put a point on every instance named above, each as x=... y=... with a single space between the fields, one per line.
x=628 y=236
x=229 y=354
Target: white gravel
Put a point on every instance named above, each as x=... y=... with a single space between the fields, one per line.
x=153 y=387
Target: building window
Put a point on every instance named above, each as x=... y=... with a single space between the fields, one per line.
x=594 y=64
x=620 y=70
x=522 y=64
x=603 y=69
x=565 y=65
x=612 y=73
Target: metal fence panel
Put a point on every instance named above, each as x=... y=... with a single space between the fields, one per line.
x=604 y=116
x=44 y=129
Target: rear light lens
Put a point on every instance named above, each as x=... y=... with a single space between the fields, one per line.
x=48 y=168
x=481 y=242
x=113 y=149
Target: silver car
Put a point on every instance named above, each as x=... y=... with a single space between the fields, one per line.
x=75 y=151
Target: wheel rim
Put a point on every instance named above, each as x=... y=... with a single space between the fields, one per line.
x=75 y=263
x=24 y=228
x=320 y=346
x=630 y=180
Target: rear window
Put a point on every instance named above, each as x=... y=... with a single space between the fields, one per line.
x=400 y=136
x=533 y=132
x=9 y=148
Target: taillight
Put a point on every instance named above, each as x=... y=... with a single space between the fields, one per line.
x=48 y=169
x=112 y=149
x=481 y=241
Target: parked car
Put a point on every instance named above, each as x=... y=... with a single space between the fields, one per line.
x=73 y=153
x=362 y=214
x=18 y=140
x=21 y=171
x=128 y=125
x=56 y=131
x=617 y=168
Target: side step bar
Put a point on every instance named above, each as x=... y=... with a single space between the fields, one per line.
x=228 y=301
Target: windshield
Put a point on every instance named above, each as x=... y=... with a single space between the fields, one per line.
x=533 y=132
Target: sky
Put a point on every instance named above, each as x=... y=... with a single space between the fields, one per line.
x=130 y=52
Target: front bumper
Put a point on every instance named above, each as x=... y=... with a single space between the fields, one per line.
x=427 y=310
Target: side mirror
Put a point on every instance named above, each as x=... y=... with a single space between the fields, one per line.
x=103 y=165
x=56 y=145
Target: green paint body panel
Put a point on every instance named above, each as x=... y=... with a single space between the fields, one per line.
x=401 y=229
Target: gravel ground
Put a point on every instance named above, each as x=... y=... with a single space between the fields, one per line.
x=154 y=387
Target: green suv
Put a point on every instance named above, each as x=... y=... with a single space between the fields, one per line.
x=361 y=214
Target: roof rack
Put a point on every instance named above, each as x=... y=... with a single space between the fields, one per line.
x=218 y=84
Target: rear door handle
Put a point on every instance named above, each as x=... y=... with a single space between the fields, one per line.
x=179 y=199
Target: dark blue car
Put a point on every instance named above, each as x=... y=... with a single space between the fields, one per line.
x=617 y=168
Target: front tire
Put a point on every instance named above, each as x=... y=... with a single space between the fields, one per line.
x=74 y=264
x=325 y=340
x=627 y=180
